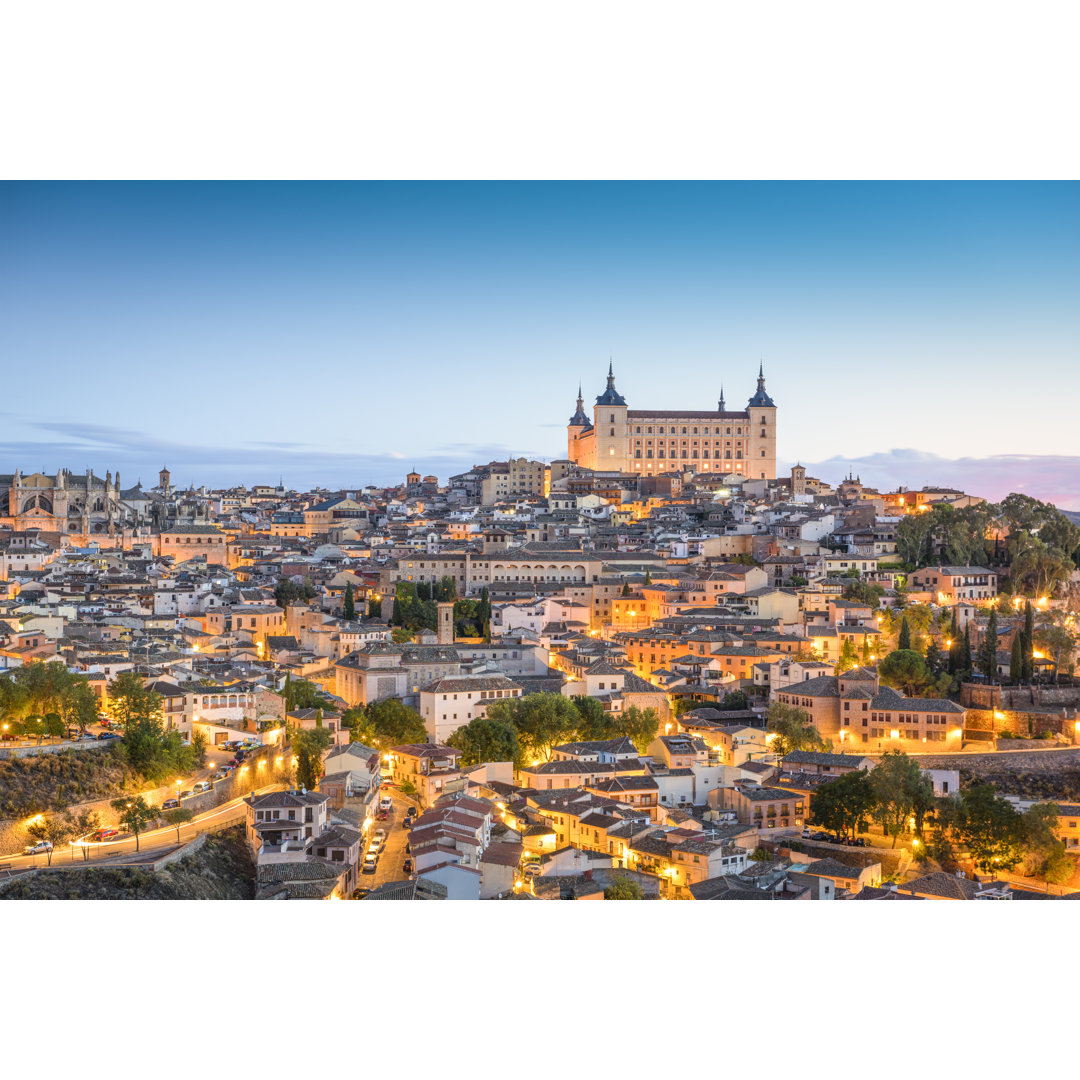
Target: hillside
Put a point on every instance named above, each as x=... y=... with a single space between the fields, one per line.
x=32 y=785
x=223 y=869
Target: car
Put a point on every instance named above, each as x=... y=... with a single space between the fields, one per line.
x=859 y=842
x=411 y=812
x=234 y=763
x=806 y=834
x=407 y=824
x=108 y=735
x=170 y=804
x=388 y=783
x=359 y=894
x=375 y=848
x=103 y=834
x=186 y=794
x=531 y=869
x=201 y=786
x=370 y=862
x=382 y=815
x=226 y=768
x=406 y=866
x=38 y=848
x=821 y=836
x=386 y=803
x=379 y=834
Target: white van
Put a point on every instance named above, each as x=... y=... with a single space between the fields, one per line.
x=386 y=803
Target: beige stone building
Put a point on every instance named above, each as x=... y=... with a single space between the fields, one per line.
x=651 y=441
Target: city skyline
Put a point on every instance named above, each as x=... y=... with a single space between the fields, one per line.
x=913 y=333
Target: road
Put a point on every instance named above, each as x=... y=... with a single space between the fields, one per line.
x=393 y=854
x=229 y=813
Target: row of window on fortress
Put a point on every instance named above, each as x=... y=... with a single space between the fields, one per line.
x=703 y=454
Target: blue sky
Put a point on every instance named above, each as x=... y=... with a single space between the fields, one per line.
x=343 y=333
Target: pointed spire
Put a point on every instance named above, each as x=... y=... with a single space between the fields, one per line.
x=611 y=368
x=721 y=406
x=761 y=368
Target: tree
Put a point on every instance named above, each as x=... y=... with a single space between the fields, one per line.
x=639 y=726
x=359 y=726
x=623 y=888
x=486 y=739
x=791 y=730
x=904 y=640
x=843 y=805
x=348 y=610
x=178 y=817
x=905 y=670
x=863 y=592
x=625 y=589
x=1027 y=644
x=593 y=722
x=648 y=579
x=374 y=607
x=991 y=828
x=988 y=648
x=734 y=701
x=288 y=592
x=135 y=814
x=543 y=720
x=393 y=723
x=79 y=706
x=308 y=745
x=1016 y=660
x=53 y=830
x=901 y=791
x=483 y=614
x=964 y=670
x=849 y=657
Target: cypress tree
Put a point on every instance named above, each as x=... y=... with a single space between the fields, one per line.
x=1016 y=660
x=965 y=652
x=904 y=639
x=1028 y=643
x=349 y=609
x=988 y=649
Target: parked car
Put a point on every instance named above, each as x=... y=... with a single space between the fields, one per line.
x=531 y=869
x=170 y=804
x=108 y=735
x=411 y=812
x=38 y=848
x=186 y=794
x=407 y=824
x=370 y=862
x=382 y=815
x=386 y=803
x=406 y=866
x=821 y=836
x=859 y=842
x=379 y=834
x=103 y=834
x=388 y=783
x=201 y=786
x=359 y=894
x=226 y=768
x=806 y=834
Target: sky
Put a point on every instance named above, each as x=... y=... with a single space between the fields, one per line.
x=341 y=334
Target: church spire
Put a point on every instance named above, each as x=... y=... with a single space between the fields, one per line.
x=721 y=406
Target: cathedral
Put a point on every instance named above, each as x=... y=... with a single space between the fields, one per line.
x=86 y=505
x=646 y=442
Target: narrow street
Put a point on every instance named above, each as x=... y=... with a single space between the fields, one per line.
x=393 y=854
